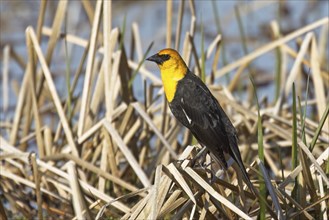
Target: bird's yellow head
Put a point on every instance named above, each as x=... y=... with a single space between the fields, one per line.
x=172 y=68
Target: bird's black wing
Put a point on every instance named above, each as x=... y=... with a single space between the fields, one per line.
x=196 y=108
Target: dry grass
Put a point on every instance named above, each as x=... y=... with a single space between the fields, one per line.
x=102 y=154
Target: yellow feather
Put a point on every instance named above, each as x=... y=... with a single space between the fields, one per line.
x=172 y=71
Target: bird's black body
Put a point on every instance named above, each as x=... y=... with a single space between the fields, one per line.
x=197 y=109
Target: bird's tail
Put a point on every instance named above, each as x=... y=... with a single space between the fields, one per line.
x=237 y=157
x=247 y=179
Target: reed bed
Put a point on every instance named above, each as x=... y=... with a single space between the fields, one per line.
x=98 y=152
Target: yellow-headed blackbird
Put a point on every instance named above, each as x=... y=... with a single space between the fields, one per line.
x=196 y=108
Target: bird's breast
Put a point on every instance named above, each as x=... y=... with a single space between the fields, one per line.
x=170 y=89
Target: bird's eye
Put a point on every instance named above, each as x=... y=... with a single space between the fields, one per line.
x=165 y=57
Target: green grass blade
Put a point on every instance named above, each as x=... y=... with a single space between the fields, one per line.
x=262 y=187
x=241 y=30
x=281 y=163
x=296 y=193
x=223 y=41
x=133 y=76
x=67 y=79
x=261 y=157
x=245 y=51
x=294 y=130
x=278 y=54
x=303 y=158
x=216 y=15
x=123 y=32
x=278 y=73
x=319 y=128
x=67 y=74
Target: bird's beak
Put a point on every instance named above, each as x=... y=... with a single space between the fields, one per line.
x=155 y=58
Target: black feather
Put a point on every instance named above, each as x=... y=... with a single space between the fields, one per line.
x=198 y=110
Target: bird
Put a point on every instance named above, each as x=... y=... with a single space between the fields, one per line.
x=195 y=107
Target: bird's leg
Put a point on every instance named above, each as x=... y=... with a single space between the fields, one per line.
x=220 y=172
x=186 y=155
x=199 y=155
x=230 y=161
